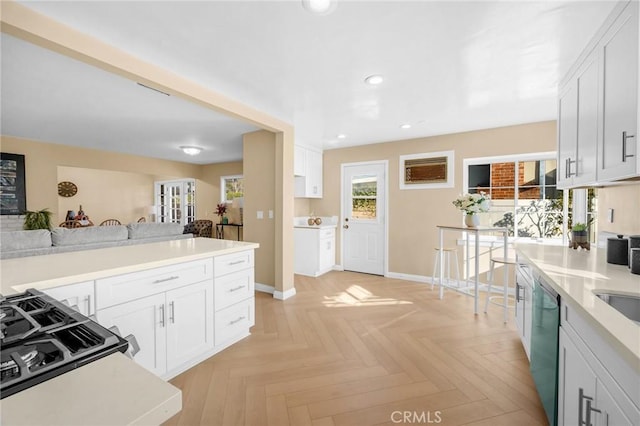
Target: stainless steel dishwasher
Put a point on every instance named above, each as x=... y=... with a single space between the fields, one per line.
x=544 y=345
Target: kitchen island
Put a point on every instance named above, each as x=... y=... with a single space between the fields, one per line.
x=114 y=389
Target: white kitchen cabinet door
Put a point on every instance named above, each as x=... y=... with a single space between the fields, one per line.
x=299 y=158
x=80 y=296
x=310 y=185
x=576 y=381
x=189 y=319
x=584 y=168
x=146 y=319
x=327 y=253
x=567 y=132
x=608 y=412
x=618 y=141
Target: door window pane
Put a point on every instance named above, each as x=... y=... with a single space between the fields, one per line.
x=364 y=197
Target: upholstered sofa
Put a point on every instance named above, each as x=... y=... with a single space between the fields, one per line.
x=32 y=243
x=199 y=228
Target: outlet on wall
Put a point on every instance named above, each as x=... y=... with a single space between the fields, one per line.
x=270 y=214
x=260 y=214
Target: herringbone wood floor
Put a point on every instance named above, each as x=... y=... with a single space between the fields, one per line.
x=356 y=349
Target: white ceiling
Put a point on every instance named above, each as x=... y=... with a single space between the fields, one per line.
x=448 y=67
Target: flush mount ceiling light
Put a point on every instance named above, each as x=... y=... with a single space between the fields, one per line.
x=191 y=150
x=319 y=7
x=342 y=136
x=374 y=79
x=405 y=126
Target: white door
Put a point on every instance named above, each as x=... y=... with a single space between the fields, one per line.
x=363 y=216
x=189 y=322
x=146 y=319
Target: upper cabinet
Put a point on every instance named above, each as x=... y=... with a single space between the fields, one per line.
x=598 y=107
x=308 y=172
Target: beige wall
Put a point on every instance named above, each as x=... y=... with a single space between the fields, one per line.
x=414 y=214
x=259 y=151
x=625 y=201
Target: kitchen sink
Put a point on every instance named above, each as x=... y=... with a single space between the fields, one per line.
x=627 y=304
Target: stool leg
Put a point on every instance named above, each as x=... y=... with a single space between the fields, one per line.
x=457 y=269
x=504 y=293
x=490 y=282
x=435 y=269
x=447 y=265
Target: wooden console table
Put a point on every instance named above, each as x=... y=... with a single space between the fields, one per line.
x=220 y=229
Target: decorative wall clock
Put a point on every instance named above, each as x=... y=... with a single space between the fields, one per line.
x=67 y=189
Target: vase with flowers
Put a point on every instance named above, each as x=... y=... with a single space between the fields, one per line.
x=221 y=210
x=471 y=205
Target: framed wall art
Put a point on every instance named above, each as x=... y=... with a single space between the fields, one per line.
x=13 y=196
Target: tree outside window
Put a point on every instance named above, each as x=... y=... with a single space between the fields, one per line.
x=231 y=187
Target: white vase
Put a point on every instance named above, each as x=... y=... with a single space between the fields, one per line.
x=472 y=220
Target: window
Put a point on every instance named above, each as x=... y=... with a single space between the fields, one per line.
x=524 y=195
x=364 y=197
x=231 y=187
x=176 y=201
x=426 y=171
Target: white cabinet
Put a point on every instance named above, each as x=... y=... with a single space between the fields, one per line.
x=524 y=305
x=595 y=386
x=315 y=250
x=598 y=107
x=234 y=297
x=308 y=171
x=80 y=296
x=617 y=147
x=578 y=126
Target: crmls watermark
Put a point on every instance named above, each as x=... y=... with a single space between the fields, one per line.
x=416 y=417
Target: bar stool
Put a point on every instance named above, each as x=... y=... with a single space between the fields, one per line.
x=490 y=278
x=446 y=251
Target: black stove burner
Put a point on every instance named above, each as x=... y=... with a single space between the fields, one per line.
x=41 y=338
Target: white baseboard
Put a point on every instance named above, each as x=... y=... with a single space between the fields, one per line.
x=409 y=277
x=263 y=288
x=284 y=295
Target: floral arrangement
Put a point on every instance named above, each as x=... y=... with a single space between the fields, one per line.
x=221 y=209
x=473 y=203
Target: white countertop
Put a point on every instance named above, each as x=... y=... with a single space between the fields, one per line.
x=110 y=391
x=328 y=222
x=52 y=270
x=113 y=390
x=575 y=274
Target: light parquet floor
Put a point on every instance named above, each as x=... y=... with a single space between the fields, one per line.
x=357 y=349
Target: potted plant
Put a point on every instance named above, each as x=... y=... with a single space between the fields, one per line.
x=471 y=205
x=221 y=209
x=40 y=219
x=580 y=235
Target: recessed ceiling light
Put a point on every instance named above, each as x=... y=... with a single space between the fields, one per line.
x=319 y=7
x=374 y=79
x=405 y=126
x=342 y=136
x=191 y=150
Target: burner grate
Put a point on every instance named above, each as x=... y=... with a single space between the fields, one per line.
x=78 y=338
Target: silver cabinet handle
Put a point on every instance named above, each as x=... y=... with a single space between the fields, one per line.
x=231 y=290
x=237 y=262
x=589 y=410
x=88 y=300
x=518 y=298
x=567 y=169
x=162 y=315
x=236 y=320
x=172 y=312
x=164 y=280
x=624 y=146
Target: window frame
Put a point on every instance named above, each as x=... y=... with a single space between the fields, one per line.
x=223 y=186
x=449 y=183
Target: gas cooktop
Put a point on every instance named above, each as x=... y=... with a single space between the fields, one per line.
x=41 y=338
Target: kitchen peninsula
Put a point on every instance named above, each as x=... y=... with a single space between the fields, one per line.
x=153 y=291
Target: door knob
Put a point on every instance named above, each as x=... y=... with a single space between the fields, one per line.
x=345 y=226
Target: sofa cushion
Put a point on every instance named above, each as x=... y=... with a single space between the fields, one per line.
x=25 y=240
x=149 y=230
x=90 y=234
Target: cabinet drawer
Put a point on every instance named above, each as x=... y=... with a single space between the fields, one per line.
x=233 y=288
x=234 y=321
x=123 y=288
x=234 y=262
x=327 y=233
x=80 y=296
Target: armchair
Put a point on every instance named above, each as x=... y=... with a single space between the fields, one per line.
x=199 y=228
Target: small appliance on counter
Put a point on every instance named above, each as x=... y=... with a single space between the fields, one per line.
x=634 y=260
x=634 y=243
x=618 y=251
x=41 y=338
